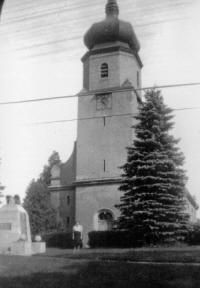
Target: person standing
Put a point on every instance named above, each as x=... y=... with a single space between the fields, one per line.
x=77 y=235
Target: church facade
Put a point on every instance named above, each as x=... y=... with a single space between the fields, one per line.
x=85 y=188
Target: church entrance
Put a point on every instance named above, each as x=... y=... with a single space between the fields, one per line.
x=105 y=220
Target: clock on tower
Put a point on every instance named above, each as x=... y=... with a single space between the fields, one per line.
x=104 y=101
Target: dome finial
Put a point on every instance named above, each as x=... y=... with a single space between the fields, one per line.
x=112 y=8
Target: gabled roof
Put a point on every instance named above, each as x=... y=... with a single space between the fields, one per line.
x=191 y=199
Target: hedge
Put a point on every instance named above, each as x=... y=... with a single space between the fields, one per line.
x=113 y=239
x=58 y=240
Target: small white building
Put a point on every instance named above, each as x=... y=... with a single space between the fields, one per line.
x=191 y=207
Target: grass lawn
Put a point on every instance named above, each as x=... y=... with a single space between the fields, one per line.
x=182 y=254
x=87 y=268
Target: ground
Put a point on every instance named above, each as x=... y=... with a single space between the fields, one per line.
x=138 y=268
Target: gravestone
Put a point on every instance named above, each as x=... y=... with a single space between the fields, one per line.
x=15 y=235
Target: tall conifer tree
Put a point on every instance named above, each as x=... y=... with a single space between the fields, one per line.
x=153 y=181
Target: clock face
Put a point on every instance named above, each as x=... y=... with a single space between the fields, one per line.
x=104 y=101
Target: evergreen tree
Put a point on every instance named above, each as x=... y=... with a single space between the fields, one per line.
x=153 y=182
x=43 y=218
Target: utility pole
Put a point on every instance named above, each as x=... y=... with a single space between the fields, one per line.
x=1 y=5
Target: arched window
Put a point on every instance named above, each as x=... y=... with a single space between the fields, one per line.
x=105 y=220
x=105 y=215
x=104 y=70
x=68 y=200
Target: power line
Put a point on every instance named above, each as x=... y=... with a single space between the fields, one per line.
x=96 y=92
x=66 y=39
x=169 y=86
x=47 y=12
x=41 y=30
x=80 y=119
x=70 y=7
x=100 y=117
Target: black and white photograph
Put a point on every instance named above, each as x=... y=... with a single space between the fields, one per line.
x=99 y=143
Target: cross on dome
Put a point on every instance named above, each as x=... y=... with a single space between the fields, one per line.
x=111 y=30
x=112 y=8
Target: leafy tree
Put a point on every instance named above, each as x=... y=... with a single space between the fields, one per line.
x=37 y=203
x=43 y=218
x=153 y=181
x=45 y=176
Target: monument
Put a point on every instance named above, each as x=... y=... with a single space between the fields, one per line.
x=15 y=234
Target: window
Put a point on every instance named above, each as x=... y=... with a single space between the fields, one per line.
x=104 y=70
x=105 y=215
x=104 y=165
x=104 y=121
x=68 y=200
x=105 y=220
x=68 y=221
x=138 y=78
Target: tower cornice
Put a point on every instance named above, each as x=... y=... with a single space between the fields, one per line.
x=110 y=50
x=97 y=182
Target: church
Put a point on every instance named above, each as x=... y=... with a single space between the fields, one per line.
x=85 y=188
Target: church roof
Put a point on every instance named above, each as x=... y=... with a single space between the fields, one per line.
x=111 y=29
x=191 y=199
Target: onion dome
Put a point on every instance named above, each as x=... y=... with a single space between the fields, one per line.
x=111 y=30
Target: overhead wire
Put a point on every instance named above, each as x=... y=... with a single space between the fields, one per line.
x=77 y=37
x=79 y=119
x=99 y=117
x=48 y=12
x=89 y=93
x=74 y=7
x=86 y=4
x=68 y=8
x=62 y=28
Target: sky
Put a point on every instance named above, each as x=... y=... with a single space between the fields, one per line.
x=41 y=44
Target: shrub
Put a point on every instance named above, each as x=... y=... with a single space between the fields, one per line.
x=58 y=240
x=193 y=236
x=113 y=239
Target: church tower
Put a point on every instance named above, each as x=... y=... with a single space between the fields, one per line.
x=106 y=105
